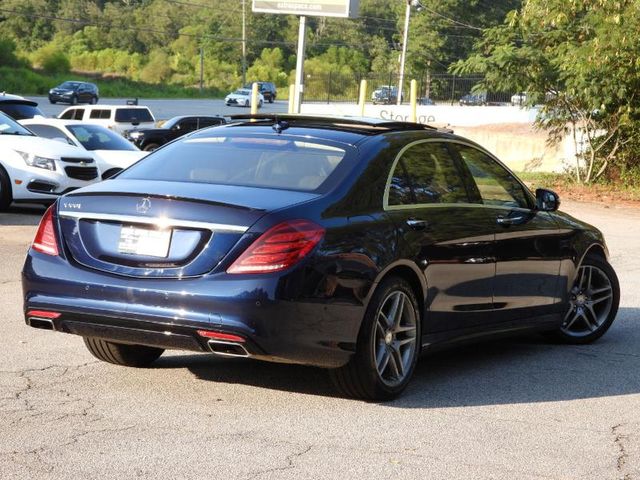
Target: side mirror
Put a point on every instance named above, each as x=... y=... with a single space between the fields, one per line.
x=547 y=200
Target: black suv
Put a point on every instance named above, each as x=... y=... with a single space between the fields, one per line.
x=267 y=89
x=72 y=92
x=18 y=108
x=151 y=138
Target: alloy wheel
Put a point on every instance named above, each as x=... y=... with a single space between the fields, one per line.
x=590 y=302
x=395 y=338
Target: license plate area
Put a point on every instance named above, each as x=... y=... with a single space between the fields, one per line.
x=147 y=242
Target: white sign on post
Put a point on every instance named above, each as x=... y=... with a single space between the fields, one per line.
x=319 y=8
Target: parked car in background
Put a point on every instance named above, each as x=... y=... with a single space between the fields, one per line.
x=18 y=107
x=425 y=101
x=519 y=99
x=242 y=97
x=385 y=94
x=111 y=151
x=73 y=92
x=267 y=89
x=151 y=138
x=473 y=99
x=38 y=170
x=347 y=243
x=119 y=118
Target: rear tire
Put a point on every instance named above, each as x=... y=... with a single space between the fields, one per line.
x=388 y=345
x=271 y=99
x=150 y=147
x=94 y=100
x=6 y=196
x=593 y=303
x=74 y=100
x=121 y=354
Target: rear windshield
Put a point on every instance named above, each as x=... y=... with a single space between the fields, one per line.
x=243 y=161
x=19 y=111
x=133 y=115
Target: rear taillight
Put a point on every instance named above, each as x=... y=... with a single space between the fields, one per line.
x=279 y=247
x=45 y=241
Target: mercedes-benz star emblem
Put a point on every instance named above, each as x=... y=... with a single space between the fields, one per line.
x=143 y=205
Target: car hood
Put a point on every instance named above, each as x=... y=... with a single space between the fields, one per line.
x=117 y=158
x=43 y=147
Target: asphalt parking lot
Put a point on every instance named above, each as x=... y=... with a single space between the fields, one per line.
x=516 y=409
x=165 y=109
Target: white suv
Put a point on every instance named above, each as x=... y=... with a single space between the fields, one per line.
x=38 y=170
x=119 y=118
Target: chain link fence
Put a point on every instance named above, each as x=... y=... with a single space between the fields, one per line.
x=445 y=89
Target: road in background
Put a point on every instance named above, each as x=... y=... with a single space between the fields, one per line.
x=165 y=109
x=511 y=409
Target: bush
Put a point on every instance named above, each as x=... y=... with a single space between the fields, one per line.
x=51 y=60
x=8 y=53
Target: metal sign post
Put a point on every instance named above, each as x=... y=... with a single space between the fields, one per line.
x=299 y=85
x=305 y=8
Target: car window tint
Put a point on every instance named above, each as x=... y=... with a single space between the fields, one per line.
x=208 y=122
x=433 y=174
x=290 y=164
x=100 y=114
x=400 y=187
x=495 y=184
x=78 y=114
x=19 y=111
x=68 y=115
x=188 y=125
x=132 y=115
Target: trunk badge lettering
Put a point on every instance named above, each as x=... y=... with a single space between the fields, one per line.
x=73 y=206
x=143 y=205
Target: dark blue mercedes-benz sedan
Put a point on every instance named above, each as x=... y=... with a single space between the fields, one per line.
x=345 y=243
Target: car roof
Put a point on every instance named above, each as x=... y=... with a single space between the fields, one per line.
x=16 y=99
x=104 y=106
x=180 y=117
x=347 y=130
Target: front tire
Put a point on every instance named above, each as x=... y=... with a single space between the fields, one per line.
x=388 y=345
x=94 y=100
x=6 y=196
x=593 y=303
x=121 y=354
x=150 y=147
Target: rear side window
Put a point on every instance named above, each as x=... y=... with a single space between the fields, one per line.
x=432 y=175
x=133 y=115
x=495 y=184
x=243 y=161
x=73 y=114
x=100 y=114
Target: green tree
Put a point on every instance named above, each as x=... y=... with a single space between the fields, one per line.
x=579 y=59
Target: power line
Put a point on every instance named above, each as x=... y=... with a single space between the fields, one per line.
x=466 y=25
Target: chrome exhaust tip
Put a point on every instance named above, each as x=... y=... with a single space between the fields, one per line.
x=41 y=323
x=227 y=349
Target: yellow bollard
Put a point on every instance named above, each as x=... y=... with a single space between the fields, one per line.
x=363 y=96
x=413 y=117
x=292 y=92
x=254 y=98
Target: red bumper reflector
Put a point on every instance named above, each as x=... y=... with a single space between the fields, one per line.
x=220 y=336
x=43 y=314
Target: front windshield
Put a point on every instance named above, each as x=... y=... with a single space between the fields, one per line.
x=69 y=85
x=95 y=137
x=10 y=127
x=241 y=92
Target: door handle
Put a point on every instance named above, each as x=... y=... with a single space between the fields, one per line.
x=507 y=221
x=417 y=224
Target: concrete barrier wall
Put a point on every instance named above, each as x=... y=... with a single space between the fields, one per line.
x=507 y=132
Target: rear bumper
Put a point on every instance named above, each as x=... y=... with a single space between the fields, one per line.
x=168 y=313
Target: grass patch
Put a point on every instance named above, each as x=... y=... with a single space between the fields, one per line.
x=24 y=81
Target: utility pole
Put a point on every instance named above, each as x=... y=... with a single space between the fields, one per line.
x=300 y=65
x=201 y=68
x=244 y=42
x=407 y=15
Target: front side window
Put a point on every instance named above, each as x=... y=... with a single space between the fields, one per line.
x=426 y=174
x=95 y=137
x=289 y=164
x=495 y=184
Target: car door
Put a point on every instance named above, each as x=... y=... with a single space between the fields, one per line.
x=528 y=242
x=450 y=238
